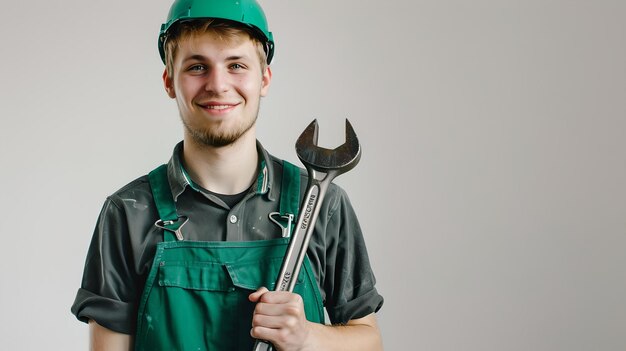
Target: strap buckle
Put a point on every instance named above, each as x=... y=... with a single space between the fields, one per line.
x=174 y=226
x=286 y=230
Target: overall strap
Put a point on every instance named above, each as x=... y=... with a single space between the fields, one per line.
x=162 y=193
x=290 y=191
x=164 y=201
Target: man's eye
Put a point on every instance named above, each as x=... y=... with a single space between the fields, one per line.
x=196 y=68
x=236 y=66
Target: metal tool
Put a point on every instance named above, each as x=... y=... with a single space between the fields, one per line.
x=322 y=165
x=285 y=229
x=177 y=230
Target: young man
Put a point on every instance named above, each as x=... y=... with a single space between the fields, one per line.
x=182 y=259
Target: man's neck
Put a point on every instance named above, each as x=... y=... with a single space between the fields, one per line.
x=224 y=170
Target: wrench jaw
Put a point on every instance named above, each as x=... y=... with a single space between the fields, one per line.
x=339 y=160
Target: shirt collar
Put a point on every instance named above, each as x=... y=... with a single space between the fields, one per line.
x=179 y=179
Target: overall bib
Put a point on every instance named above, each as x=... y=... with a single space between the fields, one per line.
x=196 y=294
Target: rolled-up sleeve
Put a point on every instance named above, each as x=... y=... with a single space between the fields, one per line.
x=109 y=291
x=349 y=282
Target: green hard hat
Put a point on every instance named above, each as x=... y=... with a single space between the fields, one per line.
x=247 y=12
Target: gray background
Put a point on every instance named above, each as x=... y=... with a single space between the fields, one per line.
x=491 y=188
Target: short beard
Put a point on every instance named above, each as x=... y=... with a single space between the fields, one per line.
x=207 y=137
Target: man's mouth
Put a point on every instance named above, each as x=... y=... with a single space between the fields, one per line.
x=217 y=107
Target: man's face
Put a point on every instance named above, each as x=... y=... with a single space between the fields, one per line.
x=218 y=86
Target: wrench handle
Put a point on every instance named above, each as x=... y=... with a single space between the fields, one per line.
x=262 y=345
x=299 y=240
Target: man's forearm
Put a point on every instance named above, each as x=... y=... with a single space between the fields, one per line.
x=359 y=334
x=103 y=339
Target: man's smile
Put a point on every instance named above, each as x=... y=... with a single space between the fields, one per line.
x=218 y=106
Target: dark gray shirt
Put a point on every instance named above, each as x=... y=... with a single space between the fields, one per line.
x=125 y=238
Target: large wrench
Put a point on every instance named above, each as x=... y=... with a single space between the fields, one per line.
x=322 y=165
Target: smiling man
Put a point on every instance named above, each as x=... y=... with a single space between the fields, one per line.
x=182 y=258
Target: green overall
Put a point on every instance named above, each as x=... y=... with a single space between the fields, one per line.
x=196 y=294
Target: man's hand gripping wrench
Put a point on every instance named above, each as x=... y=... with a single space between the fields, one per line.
x=322 y=165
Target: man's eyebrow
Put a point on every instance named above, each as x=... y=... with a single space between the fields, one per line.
x=195 y=57
x=198 y=57
x=236 y=57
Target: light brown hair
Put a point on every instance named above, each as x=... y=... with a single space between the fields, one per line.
x=227 y=31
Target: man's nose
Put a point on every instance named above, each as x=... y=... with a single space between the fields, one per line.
x=216 y=80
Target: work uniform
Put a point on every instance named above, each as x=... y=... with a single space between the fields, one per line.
x=121 y=258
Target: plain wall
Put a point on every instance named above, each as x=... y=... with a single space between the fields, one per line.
x=491 y=188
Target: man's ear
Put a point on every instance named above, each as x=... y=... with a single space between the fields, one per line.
x=266 y=80
x=169 y=85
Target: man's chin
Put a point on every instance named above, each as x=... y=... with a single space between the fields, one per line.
x=214 y=141
x=216 y=138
